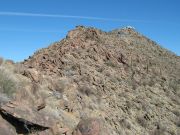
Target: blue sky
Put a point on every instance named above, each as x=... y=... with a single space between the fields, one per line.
x=28 y=25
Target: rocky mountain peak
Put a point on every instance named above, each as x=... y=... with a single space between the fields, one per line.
x=93 y=83
x=84 y=32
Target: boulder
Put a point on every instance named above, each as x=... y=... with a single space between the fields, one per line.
x=25 y=118
x=90 y=126
x=32 y=74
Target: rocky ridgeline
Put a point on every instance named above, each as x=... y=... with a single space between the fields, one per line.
x=95 y=83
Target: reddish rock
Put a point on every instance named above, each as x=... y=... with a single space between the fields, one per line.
x=32 y=74
x=89 y=126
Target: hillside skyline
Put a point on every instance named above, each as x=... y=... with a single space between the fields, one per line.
x=28 y=26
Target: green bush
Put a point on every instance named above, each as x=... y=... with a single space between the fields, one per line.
x=61 y=84
x=110 y=63
x=7 y=83
x=174 y=84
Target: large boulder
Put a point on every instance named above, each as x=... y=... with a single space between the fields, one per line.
x=32 y=74
x=25 y=118
x=90 y=126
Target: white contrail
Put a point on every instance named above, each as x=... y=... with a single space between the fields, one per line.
x=65 y=16
x=31 y=30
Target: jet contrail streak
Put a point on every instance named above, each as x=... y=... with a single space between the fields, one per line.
x=30 y=30
x=65 y=16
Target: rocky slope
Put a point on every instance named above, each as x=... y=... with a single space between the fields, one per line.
x=111 y=83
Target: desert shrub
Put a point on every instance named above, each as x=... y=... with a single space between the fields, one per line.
x=152 y=81
x=61 y=84
x=163 y=129
x=7 y=83
x=134 y=85
x=159 y=132
x=1 y=61
x=87 y=90
x=100 y=69
x=178 y=123
x=110 y=63
x=19 y=69
x=142 y=121
x=126 y=123
x=9 y=61
x=175 y=99
x=174 y=84
x=176 y=112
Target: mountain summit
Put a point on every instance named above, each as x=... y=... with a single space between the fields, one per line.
x=94 y=83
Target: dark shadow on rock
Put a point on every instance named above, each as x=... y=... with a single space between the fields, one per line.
x=22 y=126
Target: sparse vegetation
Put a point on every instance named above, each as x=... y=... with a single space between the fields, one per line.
x=87 y=90
x=60 y=84
x=1 y=61
x=125 y=123
x=174 y=84
x=7 y=83
x=142 y=121
x=111 y=63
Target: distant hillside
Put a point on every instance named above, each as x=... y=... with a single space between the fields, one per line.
x=111 y=83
